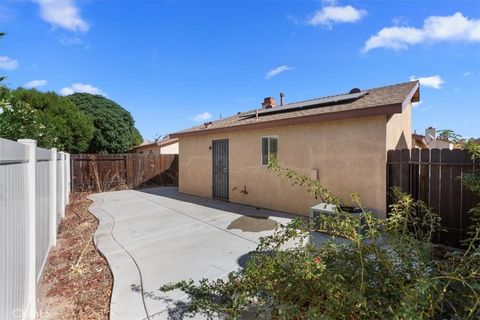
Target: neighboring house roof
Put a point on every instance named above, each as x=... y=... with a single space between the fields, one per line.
x=167 y=142
x=424 y=141
x=377 y=101
x=144 y=143
x=160 y=143
x=419 y=140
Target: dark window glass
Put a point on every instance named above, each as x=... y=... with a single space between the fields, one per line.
x=264 y=151
x=273 y=147
x=269 y=148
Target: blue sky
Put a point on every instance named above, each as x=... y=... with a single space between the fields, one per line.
x=174 y=64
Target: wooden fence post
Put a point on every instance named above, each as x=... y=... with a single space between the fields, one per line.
x=414 y=173
x=31 y=228
x=129 y=171
x=435 y=176
x=53 y=196
x=424 y=188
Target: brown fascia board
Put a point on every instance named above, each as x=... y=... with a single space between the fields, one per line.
x=331 y=116
x=413 y=96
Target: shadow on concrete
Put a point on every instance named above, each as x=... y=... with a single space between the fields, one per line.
x=253 y=224
x=242 y=260
x=242 y=209
x=176 y=310
x=147 y=294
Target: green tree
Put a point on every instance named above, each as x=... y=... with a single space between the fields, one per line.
x=73 y=130
x=137 y=137
x=115 y=130
x=450 y=135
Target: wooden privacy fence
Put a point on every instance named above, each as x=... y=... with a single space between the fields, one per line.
x=103 y=172
x=435 y=176
x=34 y=189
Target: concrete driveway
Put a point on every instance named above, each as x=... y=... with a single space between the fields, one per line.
x=156 y=236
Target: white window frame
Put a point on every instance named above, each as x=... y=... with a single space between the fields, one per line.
x=261 y=148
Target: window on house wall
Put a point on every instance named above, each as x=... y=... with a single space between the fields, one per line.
x=269 y=148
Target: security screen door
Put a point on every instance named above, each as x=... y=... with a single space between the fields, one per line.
x=220 y=169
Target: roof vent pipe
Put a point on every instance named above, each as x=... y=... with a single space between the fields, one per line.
x=282 y=99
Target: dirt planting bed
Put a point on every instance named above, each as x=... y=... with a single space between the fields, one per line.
x=77 y=282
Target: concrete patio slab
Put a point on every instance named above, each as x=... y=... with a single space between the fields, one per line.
x=155 y=236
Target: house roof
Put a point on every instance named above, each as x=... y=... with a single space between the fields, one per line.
x=376 y=101
x=420 y=140
x=167 y=142
x=144 y=143
x=160 y=143
x=417 y=136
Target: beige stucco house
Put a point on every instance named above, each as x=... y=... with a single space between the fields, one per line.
x=341 y=140
x=165 y=146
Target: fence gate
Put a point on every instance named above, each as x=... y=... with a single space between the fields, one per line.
x=220 y=169
x=436 y=177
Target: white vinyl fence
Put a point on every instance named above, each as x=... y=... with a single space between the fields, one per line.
x=34 y=189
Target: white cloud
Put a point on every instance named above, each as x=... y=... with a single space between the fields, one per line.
x=202 y=117
x=331 y=14
x=416 y=104
x=467 y=73
x=63 y=14
x=394 y=38
x=432 y=82
x=7 y=63
x=276 y=71
x=435 y=29
x=35 y=84
x=80 y=87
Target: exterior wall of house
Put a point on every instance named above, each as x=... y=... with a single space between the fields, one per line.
x=399 y=130
x=170 y=149
x=440 y=144
x=349 y=156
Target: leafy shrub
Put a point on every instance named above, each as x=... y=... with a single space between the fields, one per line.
x=18 y=120
x=384 y=269
x=72 y=129
x=50 y=119
x=76 y=124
